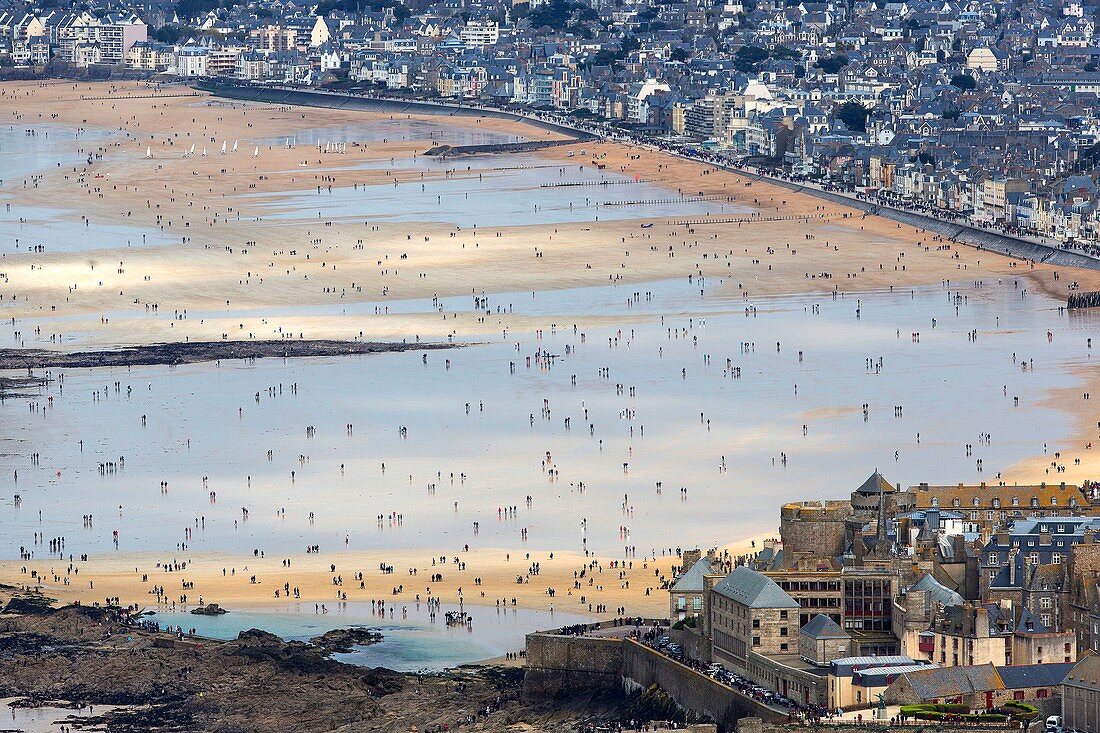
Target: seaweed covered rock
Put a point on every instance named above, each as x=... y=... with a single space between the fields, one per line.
x=382 y=681
x=345 y=640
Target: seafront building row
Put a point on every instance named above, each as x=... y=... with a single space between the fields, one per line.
x=973 y=595
x=971 y=111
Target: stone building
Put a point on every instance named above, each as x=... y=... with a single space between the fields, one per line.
x=914 y=611
x=982 y=686
x=687 y=594
x=748 y=612
x=1081 y=696
x=1081 y=612
x=992 y=506
x=817 y=528
x=970 y=634
x=822 y=640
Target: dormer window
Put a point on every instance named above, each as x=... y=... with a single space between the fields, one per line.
x=1015 y=501
x=1034 y=502
x=996 y=503
x=956 y=502
x=977 y=501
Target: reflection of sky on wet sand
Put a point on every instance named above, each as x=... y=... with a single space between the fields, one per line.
x=490 y=198
x=44 y=719
x=951 y=389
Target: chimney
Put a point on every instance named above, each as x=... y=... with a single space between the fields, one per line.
x=981 y=622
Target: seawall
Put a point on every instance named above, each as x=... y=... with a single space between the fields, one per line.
x=561 y=666
x=384 y=105
x=960 y=232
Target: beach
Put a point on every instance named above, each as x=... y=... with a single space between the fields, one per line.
x=633 y=379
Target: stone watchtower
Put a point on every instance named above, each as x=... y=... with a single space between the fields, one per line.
x=814 y=527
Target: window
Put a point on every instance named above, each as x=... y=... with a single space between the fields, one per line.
x=697 y=603
x=1034 y=557
x=1057 y=558
x=956 y=502
x=977 y=501
x=996 y=503
x=1018 y=695
x=1045 y=602
x=935 y=501
x=756 y=641
x=783 y=615
x=756 y=623
x=1015 y=501
x=1034 y=502
x=782 y=630
x=993 y=558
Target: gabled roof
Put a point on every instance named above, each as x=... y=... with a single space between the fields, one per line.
x=692 y=579
x=753 y=589
x=876 y=484
x=1086 y=673
x=823 y=627
x=930 y=684
x=1020 y=676
x=938 y=592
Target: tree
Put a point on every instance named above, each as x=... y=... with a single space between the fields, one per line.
x=194 y=8
x=832 y=64
x=749 y=58
x=965 y=82
x=853 y=115
x=168 y=34
x=679 y=54
x=553 y=14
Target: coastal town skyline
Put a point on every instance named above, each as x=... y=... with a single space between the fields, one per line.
x=586 y=367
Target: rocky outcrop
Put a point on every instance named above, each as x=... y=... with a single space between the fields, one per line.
x=342 y=641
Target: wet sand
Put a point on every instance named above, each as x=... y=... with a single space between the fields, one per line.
x=227 y=267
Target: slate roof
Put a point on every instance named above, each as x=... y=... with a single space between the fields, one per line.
x=823 y=627
x=691 y=581
x=1018 y=677
x=938 y=592
x=753 y=589
x=1086 y=673
x=930 y=684
x=876 y=484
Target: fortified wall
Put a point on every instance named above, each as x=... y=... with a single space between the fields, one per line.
x=570 y=666
x=816 y=527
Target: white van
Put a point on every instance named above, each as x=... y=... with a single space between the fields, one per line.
x=1054 y=724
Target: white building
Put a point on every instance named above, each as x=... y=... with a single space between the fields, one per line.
x=480 y=33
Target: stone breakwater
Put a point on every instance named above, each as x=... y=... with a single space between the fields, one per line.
x=193 y=352
x=363 y=103
x=1084 y=300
